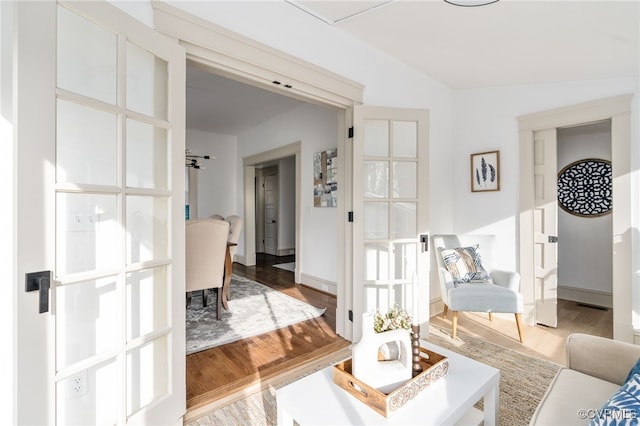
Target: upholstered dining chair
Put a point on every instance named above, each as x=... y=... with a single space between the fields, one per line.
x=235 y=223
x=468 y=282
x=206 y=247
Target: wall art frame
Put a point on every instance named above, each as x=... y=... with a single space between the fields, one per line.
x=485 y=171
x=325 y=174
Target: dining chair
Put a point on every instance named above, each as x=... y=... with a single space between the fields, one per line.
x=206 y=246
x=235 y=223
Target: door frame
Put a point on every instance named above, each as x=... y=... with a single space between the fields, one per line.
x=249 y=193
x=618 y=110
x=240 y=58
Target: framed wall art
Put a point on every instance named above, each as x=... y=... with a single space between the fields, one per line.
x=585 y=188
x=325 y=173
x=485 y=171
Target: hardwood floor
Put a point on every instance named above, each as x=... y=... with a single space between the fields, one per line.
x=539 y=341
x=221 y=375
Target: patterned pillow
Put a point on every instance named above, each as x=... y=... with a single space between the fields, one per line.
x=623 y=408
x=634 y=370
x=465 y=265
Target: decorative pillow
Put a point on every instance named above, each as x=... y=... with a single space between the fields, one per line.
x=465 y=264
x=634 y=370
x=623 y=408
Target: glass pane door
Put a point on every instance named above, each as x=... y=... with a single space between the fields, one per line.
x=391 y=160
x=113 y=225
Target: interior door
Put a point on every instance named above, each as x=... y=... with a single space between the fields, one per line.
x=100 y=125
x=391 y=216
x=545 y=224
x=271 y=213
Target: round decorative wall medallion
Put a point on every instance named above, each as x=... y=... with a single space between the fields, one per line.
x=585 y=188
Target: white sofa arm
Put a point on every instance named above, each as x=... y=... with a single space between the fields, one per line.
x=606 y=359
x=508 y=279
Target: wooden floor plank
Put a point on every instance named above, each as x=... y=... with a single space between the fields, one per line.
x=216 y=374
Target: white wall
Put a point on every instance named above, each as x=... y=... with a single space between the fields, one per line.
x=287 y=204
x=316 y=128
x=487 y=120
x=387 y=82
x=217 y=186
x=584 y=243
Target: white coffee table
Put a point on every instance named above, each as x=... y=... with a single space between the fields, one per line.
x=317 y=400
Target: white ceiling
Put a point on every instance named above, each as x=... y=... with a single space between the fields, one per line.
x=510 y=42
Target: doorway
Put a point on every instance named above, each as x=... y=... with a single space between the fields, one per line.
x=617 y=110
x=275 y=208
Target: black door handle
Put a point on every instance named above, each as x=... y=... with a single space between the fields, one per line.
x=40 y=281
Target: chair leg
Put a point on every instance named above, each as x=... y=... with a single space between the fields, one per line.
x=204 y=298
x=218 y=303
x=519 y=324
x=444 y=311
x=188 y=299
x=454 y=326
x=490 y=316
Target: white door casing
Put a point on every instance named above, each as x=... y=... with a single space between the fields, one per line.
x=618 y=110
x=545 y=226
x=98 y=142
x=390 y=213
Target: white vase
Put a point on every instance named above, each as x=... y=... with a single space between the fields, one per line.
x=384 y=375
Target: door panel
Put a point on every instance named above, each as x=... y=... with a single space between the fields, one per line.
x=545 y=218
x=390 y=210
x=271 y=214
x=112 y=222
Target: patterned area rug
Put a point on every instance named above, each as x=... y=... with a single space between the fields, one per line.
x=253 y=309
x=523 y=382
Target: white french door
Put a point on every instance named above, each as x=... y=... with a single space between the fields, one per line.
x=391 y=216
x=100 y=125
x=545 y=226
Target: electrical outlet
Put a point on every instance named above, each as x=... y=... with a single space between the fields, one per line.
x=78 y=385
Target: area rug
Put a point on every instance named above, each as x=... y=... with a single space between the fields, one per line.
x=523 y=382
x=253 y=309
x=523 y=378
x=290 y=266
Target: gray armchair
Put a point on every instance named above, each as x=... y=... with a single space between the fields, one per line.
x=500 y=294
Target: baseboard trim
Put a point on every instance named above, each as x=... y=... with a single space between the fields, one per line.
x=436 y=307
x=590 y=297
x=286 y=251
x=319 y=284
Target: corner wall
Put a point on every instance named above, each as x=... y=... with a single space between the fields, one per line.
x=316 y=127
x=217 y=187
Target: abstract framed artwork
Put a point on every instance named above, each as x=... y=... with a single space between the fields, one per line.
x=325 y=174
x=485 y=171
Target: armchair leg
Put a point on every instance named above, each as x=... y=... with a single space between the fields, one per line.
x=519 y=324
x=204 y=298
x=490 y=316
x=445 y=310
x=454 y=326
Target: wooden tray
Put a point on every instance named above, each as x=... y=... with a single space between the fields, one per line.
x=434 y=367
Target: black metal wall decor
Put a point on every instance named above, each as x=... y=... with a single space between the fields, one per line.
x=585 y=188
